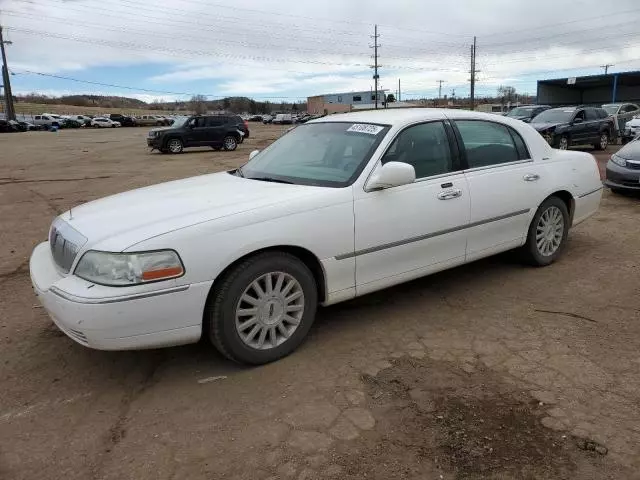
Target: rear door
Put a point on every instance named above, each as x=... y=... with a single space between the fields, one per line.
x=505 y=184
x=215 y=129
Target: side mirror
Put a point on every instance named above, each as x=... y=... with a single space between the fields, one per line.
x=578 y=120
x=392 y=174
x=253 y=154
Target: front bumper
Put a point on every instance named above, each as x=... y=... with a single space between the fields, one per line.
x=622 y=178
x=118 y=318
x=154 y=142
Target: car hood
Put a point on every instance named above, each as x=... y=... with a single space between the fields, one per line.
x=162 y=129
x=116 y=222
x=631 y=151
x=544 y=126
x=521 y=117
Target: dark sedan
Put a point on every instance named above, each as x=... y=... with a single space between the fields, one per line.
x=623 y=169
x=527 y=112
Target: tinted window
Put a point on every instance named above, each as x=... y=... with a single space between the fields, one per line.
x=37 y=117
x=215 y=121
x=556 y=115
x=425 y=147
x=487 y=143
x=523 y=152
x=197 y=122
x=629 y=108
x=592 y=114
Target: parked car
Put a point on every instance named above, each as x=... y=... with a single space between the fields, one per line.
x=631 y=129
x=148 y=120
x=124 y=120
x=8 y=126
x=216 y=131
x=621 y=114
x=71 y=123
x=46 y=121
x=84 y=119
x=26 y=126
x=102 y=122
x=283 y=119
x=567 y=126
x=255 y=118
x=623 y=169
x=324 y=214
x=267 y=119
x=526 y=113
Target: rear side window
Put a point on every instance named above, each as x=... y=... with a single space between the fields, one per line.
x=629 y=108
x=37 y=117
x=215 y=121
x=592 y=114
x=488 y=143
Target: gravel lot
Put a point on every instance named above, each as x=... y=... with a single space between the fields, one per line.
x=491 y=370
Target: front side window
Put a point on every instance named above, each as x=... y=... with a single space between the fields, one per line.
x=330 y=154
x=487 y=143
x=425 y=147
x=579 y=116
x=592 y=114
x=197 y=122
x=630 y=108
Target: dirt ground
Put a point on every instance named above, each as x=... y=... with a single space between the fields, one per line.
x=488 y=371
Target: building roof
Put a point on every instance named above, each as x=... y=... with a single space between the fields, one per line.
x=380 y=90
x=590 y=81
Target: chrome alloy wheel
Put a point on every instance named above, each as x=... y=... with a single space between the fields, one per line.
x=175 y=145
x=549 y=231
x=269 y=310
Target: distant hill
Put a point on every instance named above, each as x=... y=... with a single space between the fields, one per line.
x=85 y=101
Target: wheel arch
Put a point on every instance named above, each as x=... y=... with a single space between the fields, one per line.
x=304 y=255
x=568 y=200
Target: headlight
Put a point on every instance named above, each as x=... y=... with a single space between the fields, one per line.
x=123 y=269
x=618 y=160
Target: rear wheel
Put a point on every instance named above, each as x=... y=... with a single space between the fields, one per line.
x=263 y=309
x=174 y=145
x=547 y=234
x=603 y=143
x=230 y=143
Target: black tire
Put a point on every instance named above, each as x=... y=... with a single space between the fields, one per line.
x=230 y=143
x=604 y=141
x=530 y=252
x=174 y=145
x=221 y=308
x=618 y=191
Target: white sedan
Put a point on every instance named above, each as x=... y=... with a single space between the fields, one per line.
x=101 y=122
x=336 y=208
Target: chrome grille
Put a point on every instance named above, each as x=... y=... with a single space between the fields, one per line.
x=65 y=243
x=633 y=165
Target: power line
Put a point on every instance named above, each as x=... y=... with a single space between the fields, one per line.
x=606 y=67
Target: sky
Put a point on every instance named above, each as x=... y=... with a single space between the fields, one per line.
x=287 y=50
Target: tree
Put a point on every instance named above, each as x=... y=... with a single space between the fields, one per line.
x=253 y=107
x=226 y=104
x=198 y=104
x=506 y=94
x=391 y=98
x=294 y=107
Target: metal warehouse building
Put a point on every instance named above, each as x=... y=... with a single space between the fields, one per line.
x=590 y=90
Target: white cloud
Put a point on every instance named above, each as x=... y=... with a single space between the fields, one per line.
x=241 y=49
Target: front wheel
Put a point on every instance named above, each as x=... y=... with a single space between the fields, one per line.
x=603 y=143
x=563 y=143
x=174 y=145
x=263 y=309
x=548 y=233
x=230 y=143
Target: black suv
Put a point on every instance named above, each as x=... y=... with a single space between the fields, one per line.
x=567 y=126
x=123 y=119
x=216 y=131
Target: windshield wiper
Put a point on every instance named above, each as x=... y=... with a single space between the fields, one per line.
x=270 y=179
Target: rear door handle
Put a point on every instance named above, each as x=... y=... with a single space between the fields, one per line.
x=450 y=194
x=531 y=177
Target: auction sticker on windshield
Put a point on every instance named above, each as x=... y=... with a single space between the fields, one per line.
x=365 y=128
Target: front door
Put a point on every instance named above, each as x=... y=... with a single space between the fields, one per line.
x=505 y=186
x=408 y=231
x=580 y=133
x=196 y=132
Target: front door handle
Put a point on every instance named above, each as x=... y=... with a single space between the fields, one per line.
x=450 y=194
x=531 y=177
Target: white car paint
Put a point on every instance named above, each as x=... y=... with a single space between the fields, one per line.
x=364 y=240
x=104 y=123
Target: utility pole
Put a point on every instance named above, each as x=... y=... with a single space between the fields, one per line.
x=375 y=65
x=10 y=113
x=399 y=91
x=606 y=67
x=440 y=82
x=473 y=74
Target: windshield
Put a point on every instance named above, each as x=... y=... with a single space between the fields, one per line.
x=611 y=109
x=322 y=154
x=521 y=112
x=555 y=116
x=179 y=122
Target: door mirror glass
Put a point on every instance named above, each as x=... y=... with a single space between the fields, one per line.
x=253 y=154
x=392 y=174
